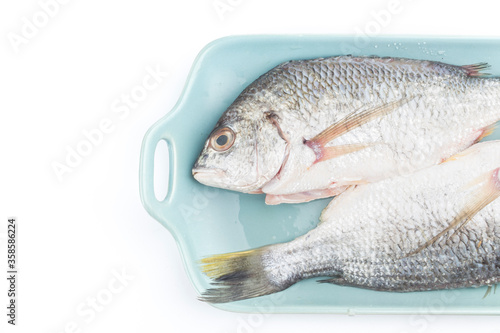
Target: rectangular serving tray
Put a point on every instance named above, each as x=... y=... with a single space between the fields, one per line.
x=206 y=221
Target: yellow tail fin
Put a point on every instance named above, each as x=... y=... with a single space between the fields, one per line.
x=237 y=276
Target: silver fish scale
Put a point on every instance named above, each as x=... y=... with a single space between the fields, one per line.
x=367 y=234
x=323 y=91
x=348 y=83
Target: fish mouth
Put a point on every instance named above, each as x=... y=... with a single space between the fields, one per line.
x=216 y=178
x=207 y=176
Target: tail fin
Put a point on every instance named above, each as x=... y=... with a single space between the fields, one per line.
x=237 y=276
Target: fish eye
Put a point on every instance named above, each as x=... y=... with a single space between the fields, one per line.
x=222 y=139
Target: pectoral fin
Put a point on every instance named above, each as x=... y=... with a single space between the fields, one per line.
x=477 y=136
x=488 y=191
x=336 y=151
x=487 y=131
x=352 y=121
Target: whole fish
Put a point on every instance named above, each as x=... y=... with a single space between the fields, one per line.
x=437 y=229
x=311 y=128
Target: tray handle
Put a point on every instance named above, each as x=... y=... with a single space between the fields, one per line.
x=146 y=169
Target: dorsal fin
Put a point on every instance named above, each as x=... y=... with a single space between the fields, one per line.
x=476 y=70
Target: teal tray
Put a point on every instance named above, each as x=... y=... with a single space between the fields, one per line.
x=206 y=221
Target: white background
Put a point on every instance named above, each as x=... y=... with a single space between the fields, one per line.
x=77 y=232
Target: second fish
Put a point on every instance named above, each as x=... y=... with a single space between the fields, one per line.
x=438 y=229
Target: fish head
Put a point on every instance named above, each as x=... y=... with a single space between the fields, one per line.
x=244 y=151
